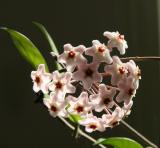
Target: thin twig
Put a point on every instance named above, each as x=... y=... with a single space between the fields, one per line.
x=81 y=132
x=144 y=58
x=148 y=142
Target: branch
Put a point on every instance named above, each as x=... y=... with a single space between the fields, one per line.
x=145 y=58
x=81 y=132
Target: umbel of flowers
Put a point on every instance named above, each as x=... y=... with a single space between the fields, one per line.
x=105 y=85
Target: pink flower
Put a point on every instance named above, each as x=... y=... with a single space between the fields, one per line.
x=116 y=40
x=104 y=98
x=127 y=90
x=72 y=56
x=40 y=79
x=99 y=52
x=55 y=107
x=134 y=72
x=92 y=123
x=88 y=74
x=127 y=108
x=113 y=119
x=61 y=83
x=80 y=105
x=118 y=70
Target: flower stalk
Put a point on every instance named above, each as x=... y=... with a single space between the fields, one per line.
x=143 y=58
x=139 y=135
x=80 y=132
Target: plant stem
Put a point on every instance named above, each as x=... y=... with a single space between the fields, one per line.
x=144 y=58
x=148 y=142
x=76 y=133
x=80 y=132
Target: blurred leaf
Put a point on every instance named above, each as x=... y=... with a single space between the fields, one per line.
x=26 y=48
x=119 y=142
x=50 y=40
x=48 y=37
x=75 y=118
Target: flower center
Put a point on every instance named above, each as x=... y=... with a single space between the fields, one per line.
x=58 y=85
x=89 y=72
x=71 y=54
x=37 y=80
x=130 y=91
x=106 y=101
x=101 y=49
x=121 y=37
x=93 y=126
x=122 y=70
x=79 y=109
x=53 y=108
x=115 y=123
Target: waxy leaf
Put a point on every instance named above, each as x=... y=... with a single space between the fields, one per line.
x=48 y=37
x=26 y=48
x=119 y=142
x=50 y=41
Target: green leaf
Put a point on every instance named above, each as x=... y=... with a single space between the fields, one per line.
x=26 y=48
x=50 y=41
x=75 y=118
x=119 y=142
x=48 y=37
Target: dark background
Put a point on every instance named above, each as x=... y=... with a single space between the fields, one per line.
x=24 y=124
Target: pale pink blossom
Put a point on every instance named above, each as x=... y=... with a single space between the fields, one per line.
x=72 y=56
x=92 y=123
x=117 y=70
x=116 y=40
x=80 y=105
x=40 y=79
x=88 y=74
x=127 y=107
x=134 y=72
x=99 y=52
x=127 y=89
x=113 y=119
x=104 y=98
x=55 y=107
x=61 y=83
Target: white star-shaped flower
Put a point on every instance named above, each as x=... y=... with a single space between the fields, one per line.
x=116 y=40
x=72 y=56
x=117 y=70
x=127 y=89
x=80 y=105
x=40 y=79
x=113 y=119
x=55 y=107
x=88 y=74
x=99 y=52
x=127 y=107
x=92 y=123
x=134 y=72
x=61 y=84
x=104 y=98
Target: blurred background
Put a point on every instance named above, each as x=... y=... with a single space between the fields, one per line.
x=25 y=124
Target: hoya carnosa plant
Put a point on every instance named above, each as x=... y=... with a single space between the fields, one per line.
x=113 y=99
x=95 y=93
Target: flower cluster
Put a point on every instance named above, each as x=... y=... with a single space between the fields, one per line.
x=83 y=89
